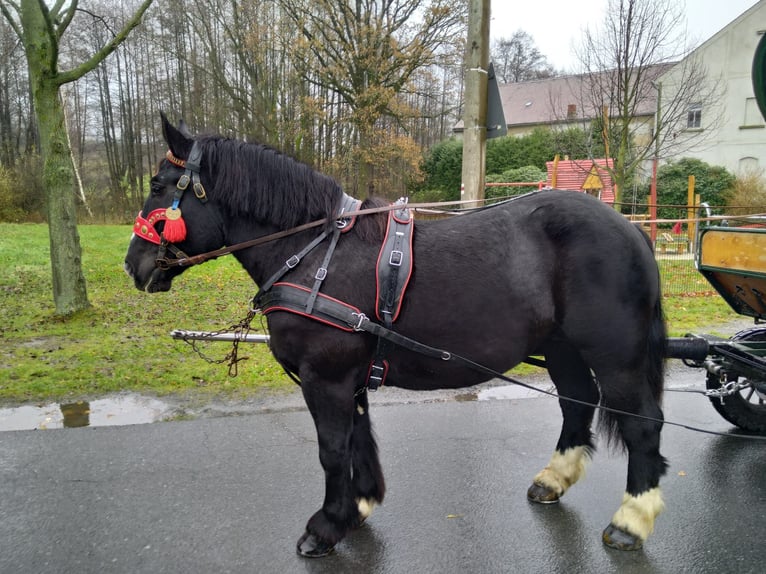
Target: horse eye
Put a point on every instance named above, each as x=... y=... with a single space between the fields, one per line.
x=156 y=187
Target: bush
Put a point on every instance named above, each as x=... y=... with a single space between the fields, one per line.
x=443 y=168
x=443 y=163
x=714 y=184
x=21 y=191
x=528 y=173
x=749 y=194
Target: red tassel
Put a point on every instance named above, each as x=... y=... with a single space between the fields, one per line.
x=175 y=226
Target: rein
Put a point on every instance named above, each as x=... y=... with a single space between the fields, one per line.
x=165 y=263
x=175 y=227
x=286 y=297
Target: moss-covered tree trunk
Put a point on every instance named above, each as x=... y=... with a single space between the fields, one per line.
x=69 y=288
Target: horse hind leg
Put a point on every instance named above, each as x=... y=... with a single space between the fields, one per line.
x=368 y=484
x=573 y=379
x=642 y=502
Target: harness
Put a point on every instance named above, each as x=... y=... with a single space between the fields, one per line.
x=393 y=271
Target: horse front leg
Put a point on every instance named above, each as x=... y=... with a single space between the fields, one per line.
x=332 y=406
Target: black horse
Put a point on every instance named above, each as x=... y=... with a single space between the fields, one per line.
x=553 y=273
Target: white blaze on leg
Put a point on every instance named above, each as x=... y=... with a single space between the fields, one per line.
x=366 y=506
x=637 y=513
x=563 y=470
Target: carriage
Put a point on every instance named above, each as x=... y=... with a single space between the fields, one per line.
x=731 y=255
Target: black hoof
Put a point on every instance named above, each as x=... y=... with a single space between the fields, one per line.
x=621 y=540
x=312 y=547
x=542 y=494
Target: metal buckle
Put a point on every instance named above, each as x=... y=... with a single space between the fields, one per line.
x=396 y=258
x=361 y=318
x=293 y=261
x=321 y=274
x=199 y=191
x=183 y=182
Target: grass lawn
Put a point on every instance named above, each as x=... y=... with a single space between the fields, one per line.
x=122 y=342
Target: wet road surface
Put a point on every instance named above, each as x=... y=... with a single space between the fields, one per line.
x=232 y=494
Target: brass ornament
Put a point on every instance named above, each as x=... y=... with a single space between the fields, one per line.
x=172 y=213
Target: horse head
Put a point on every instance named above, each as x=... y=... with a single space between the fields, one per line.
x=177 y=220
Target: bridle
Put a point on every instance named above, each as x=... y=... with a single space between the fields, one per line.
x=174 y=230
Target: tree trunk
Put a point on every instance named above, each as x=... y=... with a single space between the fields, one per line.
x=69 y=289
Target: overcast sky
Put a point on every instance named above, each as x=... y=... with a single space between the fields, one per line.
x=556 y=25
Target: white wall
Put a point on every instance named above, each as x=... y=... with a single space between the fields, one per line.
x=734 y=133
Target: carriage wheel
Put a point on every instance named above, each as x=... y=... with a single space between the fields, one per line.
x=747 y=407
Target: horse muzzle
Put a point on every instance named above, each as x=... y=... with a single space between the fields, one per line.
x=154 y=284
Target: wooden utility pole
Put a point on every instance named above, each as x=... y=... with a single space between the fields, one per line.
x=475 y=112
x=655 y=162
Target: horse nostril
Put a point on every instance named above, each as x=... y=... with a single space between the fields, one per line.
x=128 y=269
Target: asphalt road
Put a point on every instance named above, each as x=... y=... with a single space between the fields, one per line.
x=232 y=494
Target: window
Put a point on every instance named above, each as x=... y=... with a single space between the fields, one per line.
x=694 y=117
x=748 y=165
x=752 y=114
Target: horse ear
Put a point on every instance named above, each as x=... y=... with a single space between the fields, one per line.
x=184 y=129
x=178 y=139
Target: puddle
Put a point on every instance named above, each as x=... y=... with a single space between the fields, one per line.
x=510 y=392
x=111 y=411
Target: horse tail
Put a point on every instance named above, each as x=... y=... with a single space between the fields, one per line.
x=655 y=353
x=657 y=339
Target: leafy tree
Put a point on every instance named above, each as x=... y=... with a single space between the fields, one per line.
x=368 y=52
x=40 y=30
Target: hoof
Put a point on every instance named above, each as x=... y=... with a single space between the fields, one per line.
x=312 y=547
x=542 y=494
x=617 y=538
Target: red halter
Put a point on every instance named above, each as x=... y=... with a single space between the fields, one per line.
x=144 y=227
x=175 y=227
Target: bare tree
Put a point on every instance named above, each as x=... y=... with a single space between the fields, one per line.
x=517 y=59
x=368 y=51
x=639 y=43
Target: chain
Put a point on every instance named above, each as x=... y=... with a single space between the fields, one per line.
x=232 y=358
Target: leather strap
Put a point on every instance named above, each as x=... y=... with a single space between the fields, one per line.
x=288 y=265
x=321 y=273
x=394 y=266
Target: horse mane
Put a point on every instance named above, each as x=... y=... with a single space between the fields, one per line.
x=372 y=228
x=260 y=181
